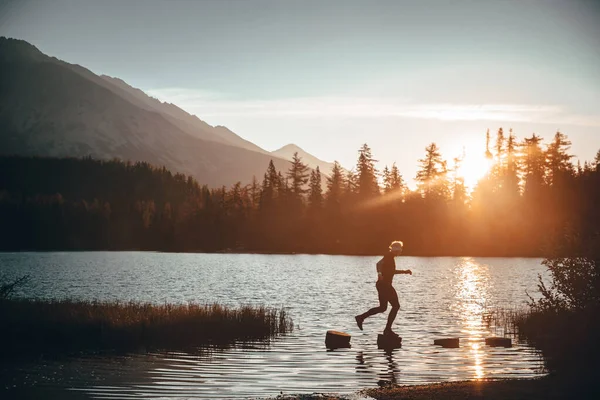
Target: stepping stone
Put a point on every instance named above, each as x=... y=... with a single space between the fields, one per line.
x=449 y=343
x=388 y=342
x=337 y=340
x=498 y=342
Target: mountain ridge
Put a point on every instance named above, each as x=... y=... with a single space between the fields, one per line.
x=52 y=108
x=49 y=107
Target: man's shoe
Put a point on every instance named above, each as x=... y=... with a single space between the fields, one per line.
x=359 y=322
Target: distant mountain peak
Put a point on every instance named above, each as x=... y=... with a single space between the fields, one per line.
x=287 y=152
x=290 y=147
x=13 y=49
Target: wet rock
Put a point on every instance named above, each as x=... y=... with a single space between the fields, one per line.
x=498 y=342
x=337 y=340
x=388 y=342
x=449 y=343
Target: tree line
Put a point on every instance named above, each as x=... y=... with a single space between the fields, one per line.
x=531 y=193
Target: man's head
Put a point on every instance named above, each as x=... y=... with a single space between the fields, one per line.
x=396 y=248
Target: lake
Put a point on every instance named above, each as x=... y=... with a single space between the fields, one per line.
x=445 y=297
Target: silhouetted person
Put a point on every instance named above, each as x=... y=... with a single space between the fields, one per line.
x=386 y=269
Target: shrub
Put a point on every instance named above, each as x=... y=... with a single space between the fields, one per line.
x=564 y=323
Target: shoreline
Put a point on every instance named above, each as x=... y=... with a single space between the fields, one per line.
x=274 y=253
x=547 y=387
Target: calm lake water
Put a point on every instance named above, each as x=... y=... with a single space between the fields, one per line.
x=445 y=297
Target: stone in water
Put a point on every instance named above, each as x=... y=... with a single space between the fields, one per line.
x=498 y=342
x=337 y=340
x=449 y=343
x=388 y=342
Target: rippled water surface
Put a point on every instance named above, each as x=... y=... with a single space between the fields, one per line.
x=445 y=297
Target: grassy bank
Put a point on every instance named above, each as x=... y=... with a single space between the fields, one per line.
x=36 y=327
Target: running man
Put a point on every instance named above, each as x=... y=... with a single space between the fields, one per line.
x=386 y=269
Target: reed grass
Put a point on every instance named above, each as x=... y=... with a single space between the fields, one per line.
x=569 y=340
x=505 y=321
x=67 y=326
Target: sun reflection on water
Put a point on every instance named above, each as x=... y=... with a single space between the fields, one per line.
x=472 y=290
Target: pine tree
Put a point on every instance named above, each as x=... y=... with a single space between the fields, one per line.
x=335 y=184
x=488 y=153
x=459 y=192
x=397 y=182
x=511 y=176
x=270 y=186
x=533 y=164
x=498 y=174
x=298 y=175
x=387 y=180
x=432 y=176
x=351 y=184
x=367 y=174
x=235 y=199
x=283 y=187
x=558 y=161
x=315 y=192
x=500 y=148
x=254 y=193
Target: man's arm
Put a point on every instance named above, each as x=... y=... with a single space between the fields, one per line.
x=403 y=271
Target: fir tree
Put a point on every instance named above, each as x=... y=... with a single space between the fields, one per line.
x=270 y=186
x=558 y=160
x=396 y=180
x=254 y=193
x=387 y=180
x=298 y=177
x=511 y=176
x=533 y=163
x=315 y=192
x=488 y=153
x=431 y=177
x=335 y=185
x=367 y=174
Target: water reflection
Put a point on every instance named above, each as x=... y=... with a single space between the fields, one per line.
x=392 y=367
x=381 y=365
x=472 y=290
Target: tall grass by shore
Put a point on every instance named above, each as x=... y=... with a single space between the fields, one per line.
x=569 y=339
x=38 y=327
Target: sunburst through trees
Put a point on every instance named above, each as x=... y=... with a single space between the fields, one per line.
x=525 y=192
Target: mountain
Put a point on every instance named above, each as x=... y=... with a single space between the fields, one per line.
x=287 y=153
x=52 y=108
x=190 y=124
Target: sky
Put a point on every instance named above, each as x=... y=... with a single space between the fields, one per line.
x=330 y=76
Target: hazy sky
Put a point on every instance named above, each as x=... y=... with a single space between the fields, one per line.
x=331 y=75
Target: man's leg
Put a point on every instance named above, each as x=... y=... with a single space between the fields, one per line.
x=375 y=310
x=393 y=299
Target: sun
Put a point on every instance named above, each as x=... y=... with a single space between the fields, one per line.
x=475 y=165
